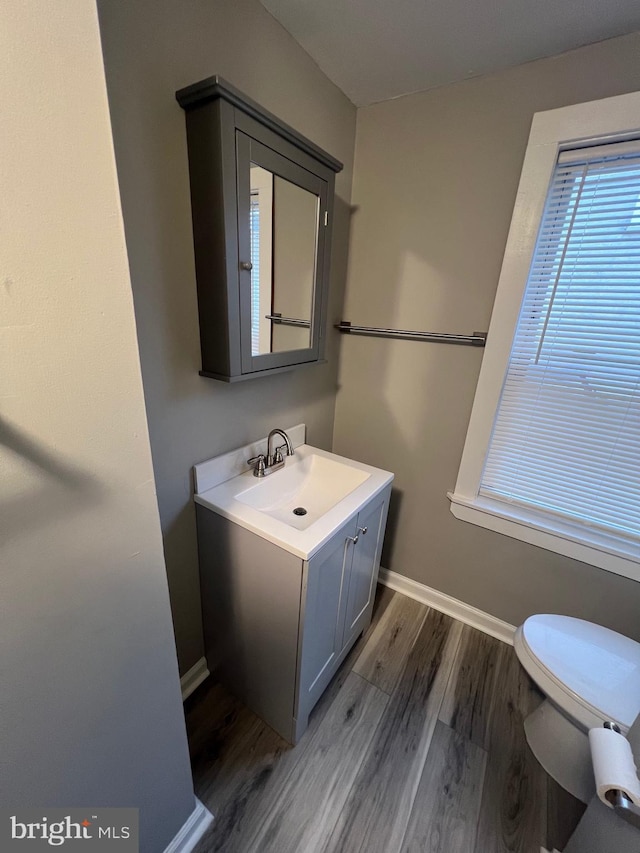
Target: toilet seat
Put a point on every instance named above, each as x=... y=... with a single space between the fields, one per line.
x=590 y=672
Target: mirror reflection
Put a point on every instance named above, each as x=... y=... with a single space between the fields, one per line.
x=283 y=227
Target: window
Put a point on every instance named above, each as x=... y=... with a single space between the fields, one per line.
x=254 y=229
x=555 y=458
x=260 y=231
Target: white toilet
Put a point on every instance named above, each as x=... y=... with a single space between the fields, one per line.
x=589 y=675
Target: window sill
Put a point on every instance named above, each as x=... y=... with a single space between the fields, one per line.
x=589 y=546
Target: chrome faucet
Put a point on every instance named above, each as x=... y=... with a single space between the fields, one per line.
x=275 y=458
x=264 y=465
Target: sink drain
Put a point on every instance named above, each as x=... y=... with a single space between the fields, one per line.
x=299 y=510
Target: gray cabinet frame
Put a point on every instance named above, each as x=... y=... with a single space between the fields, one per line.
x=278 y=627
x=351 y=570
x=225 y=132
x=249 y=150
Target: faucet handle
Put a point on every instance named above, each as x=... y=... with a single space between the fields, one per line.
x=259 y=465
x=277 y=454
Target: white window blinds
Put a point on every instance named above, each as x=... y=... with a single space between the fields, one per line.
x=566 y=437
x=254 y=229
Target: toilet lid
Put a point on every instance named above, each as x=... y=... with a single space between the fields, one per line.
x=599 y=666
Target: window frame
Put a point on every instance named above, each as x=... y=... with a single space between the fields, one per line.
x=615 y=119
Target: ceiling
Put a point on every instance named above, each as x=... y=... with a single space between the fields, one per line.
x=379 y=49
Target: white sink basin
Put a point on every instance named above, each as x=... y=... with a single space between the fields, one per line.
x=329 y=487
x=304 y=490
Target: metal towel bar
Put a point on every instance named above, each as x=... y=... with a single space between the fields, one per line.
x=477 y=339
x=287 y=321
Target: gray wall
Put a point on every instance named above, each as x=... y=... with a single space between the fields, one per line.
x=90 y=706
x=151 y=49
x=434 y=185
x=295 y=216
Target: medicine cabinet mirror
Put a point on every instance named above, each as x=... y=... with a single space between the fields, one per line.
x=262 y=199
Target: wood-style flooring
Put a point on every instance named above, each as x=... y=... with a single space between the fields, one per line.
x=417 y=746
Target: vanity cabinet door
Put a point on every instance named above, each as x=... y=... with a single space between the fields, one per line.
x=361 y=586
x=322 y=618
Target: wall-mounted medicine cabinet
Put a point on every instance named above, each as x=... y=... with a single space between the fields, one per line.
x=262 y=203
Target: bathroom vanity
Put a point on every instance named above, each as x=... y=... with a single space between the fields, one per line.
x=285 y=595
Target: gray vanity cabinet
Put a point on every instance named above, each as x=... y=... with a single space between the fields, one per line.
x=277 y=627
x=340 y=584
x=364 y=569
x=322 y=597
x=261 y=203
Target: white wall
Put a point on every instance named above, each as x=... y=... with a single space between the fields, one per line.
x=90 y=704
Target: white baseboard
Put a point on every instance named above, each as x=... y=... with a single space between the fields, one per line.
x=192 y=830
x=194 y=678
x=451 y=606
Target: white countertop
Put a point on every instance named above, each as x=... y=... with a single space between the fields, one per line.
x=222 y=500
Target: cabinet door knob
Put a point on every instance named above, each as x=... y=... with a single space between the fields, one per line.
x=246 y=265
x=363 y=530
x=353 y=539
